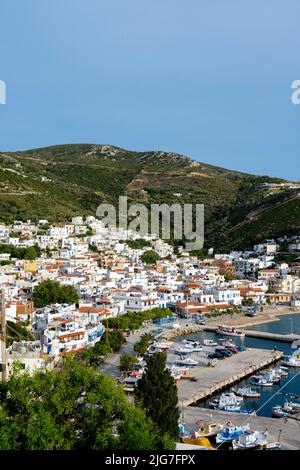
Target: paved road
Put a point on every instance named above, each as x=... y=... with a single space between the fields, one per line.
x=112 y=362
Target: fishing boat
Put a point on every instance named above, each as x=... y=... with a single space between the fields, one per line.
x=280 y=372
x=278 y=412
x=250 y=440
x=162 y=345
x=246 y=392
x=188 y=350
x=191 y=343
x=187 y=362
x=291 y=407
x=209 y=342
x=229 y=331
x=229 y=402
x=271 y=376
x=260 y=381
x=293 y=360
x=231 y=432
x=208 y=429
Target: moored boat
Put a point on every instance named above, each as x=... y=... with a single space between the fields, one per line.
x=246 y=392
x=229 y=331
x=209 y=342
x=188 y=350
x=191 y=342
x=260 y=381
x=278 y=412
x=293 y=360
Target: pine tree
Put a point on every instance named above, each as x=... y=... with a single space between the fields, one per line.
x=156 y=392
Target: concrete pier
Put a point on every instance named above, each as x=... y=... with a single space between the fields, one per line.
x=226 y=372
x=262 y=335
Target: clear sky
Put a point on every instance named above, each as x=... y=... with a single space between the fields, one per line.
x=207 y=78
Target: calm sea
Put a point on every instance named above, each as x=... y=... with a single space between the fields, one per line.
x=286 y=324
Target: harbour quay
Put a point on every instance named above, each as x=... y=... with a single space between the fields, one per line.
x=286 y=430
x=210 y=380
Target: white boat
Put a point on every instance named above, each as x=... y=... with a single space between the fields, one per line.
x=188 y=349
x=280 y=372
x=250 y=440
x=209 y=342
x=260 y=381
x=246 y=392
x=162 y=345
x=191 y=342
x=291 y=407
x=229 y=331
x=293 y=360
x=278 y=412
x=187 y=362
x=271 y=376
x=227 y=402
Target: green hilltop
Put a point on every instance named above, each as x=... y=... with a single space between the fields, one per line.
x=61 y=181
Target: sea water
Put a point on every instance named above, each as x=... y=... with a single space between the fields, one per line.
x=290 y=384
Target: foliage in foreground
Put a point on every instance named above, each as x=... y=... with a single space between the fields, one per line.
x=156 y=392
x=72 y=408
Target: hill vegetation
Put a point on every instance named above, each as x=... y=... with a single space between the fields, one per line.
x=62 y=181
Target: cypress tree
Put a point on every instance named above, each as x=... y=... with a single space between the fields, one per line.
x=157 y=393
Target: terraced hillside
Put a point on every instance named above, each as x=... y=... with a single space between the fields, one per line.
x=61 y=181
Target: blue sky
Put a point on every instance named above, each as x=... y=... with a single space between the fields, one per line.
x=209 y=79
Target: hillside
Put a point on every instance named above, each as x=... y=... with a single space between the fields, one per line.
x=62 y=181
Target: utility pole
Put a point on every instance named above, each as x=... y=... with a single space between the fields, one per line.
x=3 y=337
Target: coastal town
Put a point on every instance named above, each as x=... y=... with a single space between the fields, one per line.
x=115 y=273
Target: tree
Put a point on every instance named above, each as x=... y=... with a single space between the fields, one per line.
x=156 y=392
x=127 y=362
x=71 y=407
x=51 y=292
x=30 y=253
x=150 y=257
x=137 y=432
x=142 y=346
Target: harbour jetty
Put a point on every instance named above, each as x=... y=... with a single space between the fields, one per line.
x=210 y=380
x=263 y=335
